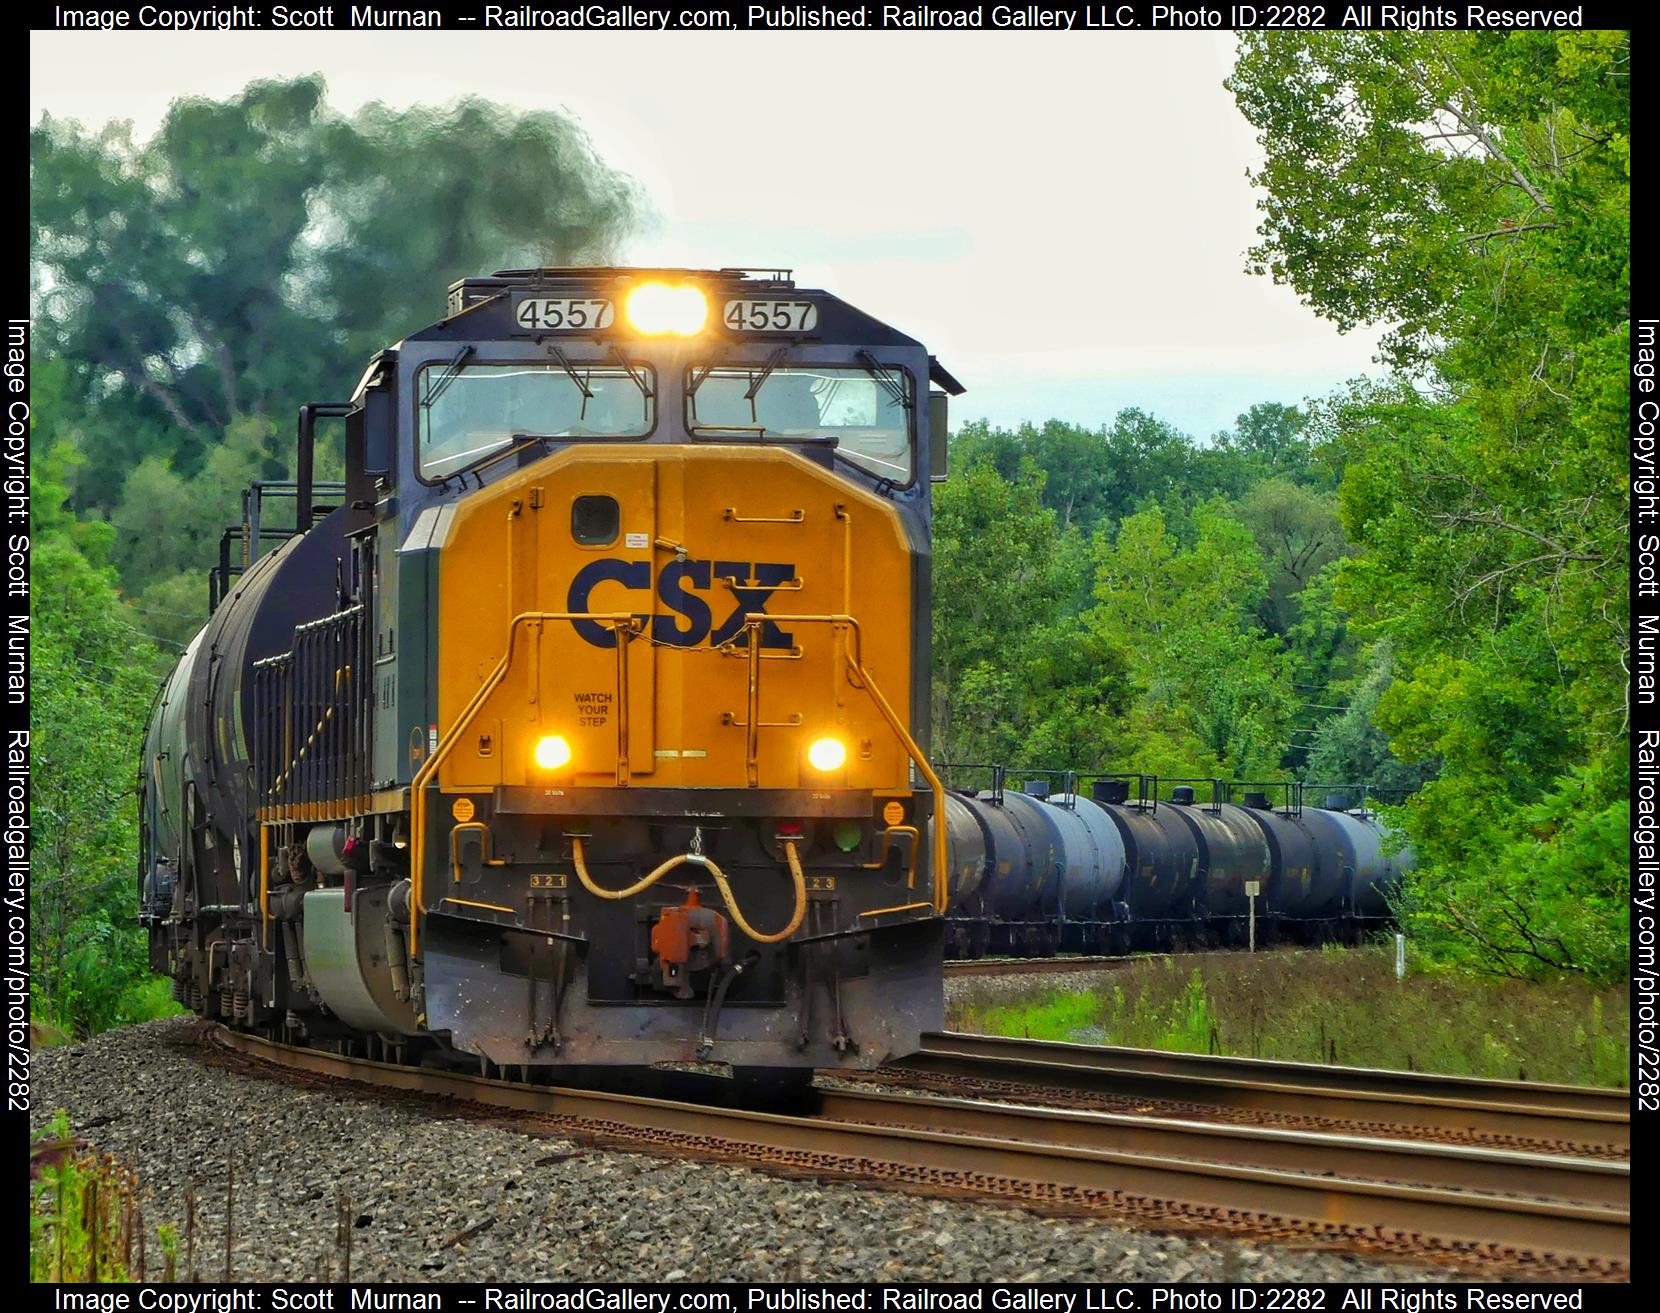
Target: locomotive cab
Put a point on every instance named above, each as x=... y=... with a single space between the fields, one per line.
x=590 y=727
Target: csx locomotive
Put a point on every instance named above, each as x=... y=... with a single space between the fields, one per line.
x=584 y=724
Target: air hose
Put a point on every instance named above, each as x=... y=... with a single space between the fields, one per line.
x=579 y=860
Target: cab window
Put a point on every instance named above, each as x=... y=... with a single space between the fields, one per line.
x=468 y=412
x=869 y=416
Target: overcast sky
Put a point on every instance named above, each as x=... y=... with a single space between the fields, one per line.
x=1061 y=217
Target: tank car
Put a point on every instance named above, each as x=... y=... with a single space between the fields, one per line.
x=1234 y=857
x=1032 y=872
x=585 y=725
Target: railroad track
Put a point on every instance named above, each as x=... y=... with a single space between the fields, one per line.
x=1520 y=1115
x=1542 y=1214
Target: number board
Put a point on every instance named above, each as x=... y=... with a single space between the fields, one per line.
x=563 y=314
x=771 y=316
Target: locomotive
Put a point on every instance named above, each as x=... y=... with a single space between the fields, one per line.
x=1046 y=869
x=583 y=725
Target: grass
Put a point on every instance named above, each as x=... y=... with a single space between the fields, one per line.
x=85 y=1223
x=145 y=999
x=1334 y=1005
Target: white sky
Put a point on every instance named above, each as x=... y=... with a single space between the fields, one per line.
x=1061 y=217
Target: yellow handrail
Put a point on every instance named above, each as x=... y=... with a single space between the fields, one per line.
x=621 y=622
x=861 y=677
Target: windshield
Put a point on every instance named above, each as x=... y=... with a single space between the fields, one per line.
x=470 y=411
x=870 y=423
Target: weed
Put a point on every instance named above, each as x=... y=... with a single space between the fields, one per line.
x=1330 y=1005
x=83 y=1212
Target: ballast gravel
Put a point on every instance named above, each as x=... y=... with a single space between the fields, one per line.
x=437 y=1198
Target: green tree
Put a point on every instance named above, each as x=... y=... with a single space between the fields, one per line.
x=1276 y=441
x=93 y=676
x=254 y=252
x=999 y=583
x=1298 y=533
x=1473 y=190
x=1212 y=696
x=1351 y=748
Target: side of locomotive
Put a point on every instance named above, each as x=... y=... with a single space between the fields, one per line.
x=1034 y=872
x=589 y=729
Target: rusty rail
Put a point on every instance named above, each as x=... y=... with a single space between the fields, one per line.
x=1411 y=1101
x=1042 y=966
x=1028 y=1156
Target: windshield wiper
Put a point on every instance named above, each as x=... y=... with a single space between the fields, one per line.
x=766 y=373
x=452 y=371
x=581 y=383
x=518 y=442
x=880 y=372
x=698 y=375
x=636 y=375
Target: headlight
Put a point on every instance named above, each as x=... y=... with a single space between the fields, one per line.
x=660 y=308
x=827 y=754
x=552 y=752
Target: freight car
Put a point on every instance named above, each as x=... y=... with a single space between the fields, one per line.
x=584 y=726
x=1038 y=871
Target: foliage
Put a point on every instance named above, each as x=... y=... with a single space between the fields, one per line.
x=1004 y=645
x=1298 y=534
x=1338 y=1005
x=1473 y=191
x=93 y=676
x=1351 y=748
x=1104 y=475
x=256 y=251
x=1204 y=674
x=1036 y=667
x=84 y=1218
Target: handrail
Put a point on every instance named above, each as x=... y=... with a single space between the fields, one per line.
x=622 y=623
x=853 y=653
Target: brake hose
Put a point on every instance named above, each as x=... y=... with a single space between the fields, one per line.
x=579 y=860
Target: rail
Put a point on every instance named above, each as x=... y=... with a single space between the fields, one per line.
x=1586 y=1117
x=1459 y=1204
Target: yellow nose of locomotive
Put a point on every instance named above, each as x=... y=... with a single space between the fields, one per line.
x=673 y=617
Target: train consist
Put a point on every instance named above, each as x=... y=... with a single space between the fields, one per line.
x=1037 y=872
x=584 y=725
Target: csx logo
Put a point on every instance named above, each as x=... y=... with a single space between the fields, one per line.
x=692 y=622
